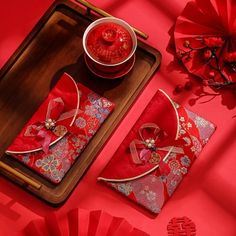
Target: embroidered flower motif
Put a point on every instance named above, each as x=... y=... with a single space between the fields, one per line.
x=186 y=126
x=184 y=170
x=154 y=179
x=149 y=193
x=93 y=98
x=182 y=131
x=25 y=159
x=80 y=122
x=151 y=196
x=189 y=125
x=197 y=146
x=205 y=127
x=155 y=209
x=163 y=178
x=174 y=164
x=182 y=119
x=102 y=114
x=180 y=171
x=187 y=141
x=185 y=161
x=173 y=181
x=193 y=149
x=61 y=147
x=170 y=157
x=97 y=110
x=57 y=175
x=79 y=140
x=91 y=131
x=96 y=101
x=176 y=171
x=48 y=164
x=90 y=110
x=124 y=188
x=106 y=103
x=200 y=122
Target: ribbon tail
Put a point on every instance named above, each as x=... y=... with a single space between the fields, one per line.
x=45 y=140
x=55 y=108
x=67 y=114
x=152 y=126
x=170 y=149
x=134 y=153
x=32 y=130
x=177 y=150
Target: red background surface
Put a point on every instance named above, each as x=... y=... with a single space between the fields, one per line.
x=207 y=194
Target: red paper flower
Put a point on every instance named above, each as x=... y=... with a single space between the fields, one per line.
x=231 y=57
x=213 y=42
x=205 y=39
x=207 y=54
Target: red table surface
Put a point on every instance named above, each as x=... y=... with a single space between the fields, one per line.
x=206 y=195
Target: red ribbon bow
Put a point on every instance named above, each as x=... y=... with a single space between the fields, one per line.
x=42 y=130
x=149 y=146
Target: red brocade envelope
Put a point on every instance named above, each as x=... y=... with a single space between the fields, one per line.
x=60 y=129
x=157 y=153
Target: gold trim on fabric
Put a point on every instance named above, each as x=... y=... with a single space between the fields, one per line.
x=59 y=138
x=155 y=167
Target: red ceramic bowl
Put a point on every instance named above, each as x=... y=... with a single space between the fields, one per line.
x=109 y=44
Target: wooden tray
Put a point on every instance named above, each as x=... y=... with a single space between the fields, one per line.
x=55 y=46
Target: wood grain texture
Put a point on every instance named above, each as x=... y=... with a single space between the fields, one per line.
x=55 y=46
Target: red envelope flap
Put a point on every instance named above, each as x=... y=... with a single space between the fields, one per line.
x=66 y=92
x=160 y=111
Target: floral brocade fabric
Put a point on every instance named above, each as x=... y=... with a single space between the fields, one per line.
x=152 y=189
x=93 y=110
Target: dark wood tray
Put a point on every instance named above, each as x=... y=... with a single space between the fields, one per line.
x=55 y=46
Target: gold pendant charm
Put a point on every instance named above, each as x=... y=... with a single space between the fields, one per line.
x=60 y=130
x=155 y=158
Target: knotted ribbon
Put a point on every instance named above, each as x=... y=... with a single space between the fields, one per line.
x=42 y=130
x=149 y=146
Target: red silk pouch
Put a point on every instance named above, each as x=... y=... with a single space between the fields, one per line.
x=157 y=153
x=60 y=129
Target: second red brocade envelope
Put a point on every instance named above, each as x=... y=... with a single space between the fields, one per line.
x=60 y=129
x=157 y=153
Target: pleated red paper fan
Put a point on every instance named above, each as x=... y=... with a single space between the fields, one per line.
x=205 y=39
x=83 y=223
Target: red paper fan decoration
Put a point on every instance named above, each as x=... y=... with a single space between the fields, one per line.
x=83 y=223
x=205 y=39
